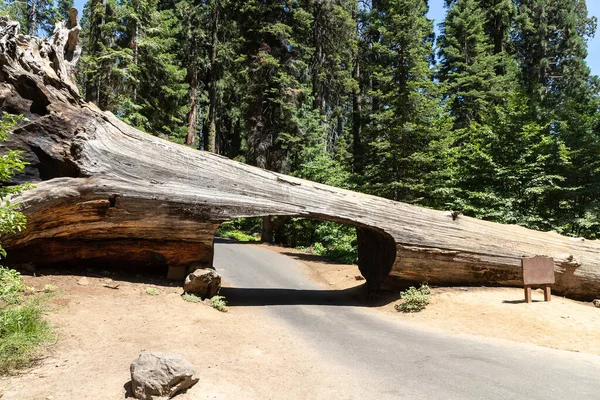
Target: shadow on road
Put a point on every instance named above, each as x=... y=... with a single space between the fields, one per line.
x=356 y=297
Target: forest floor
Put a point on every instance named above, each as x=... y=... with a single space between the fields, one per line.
x=102 y=329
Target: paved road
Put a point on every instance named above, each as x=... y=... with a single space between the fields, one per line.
x=397 y=361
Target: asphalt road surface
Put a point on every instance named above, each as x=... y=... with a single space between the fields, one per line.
x=390 y=360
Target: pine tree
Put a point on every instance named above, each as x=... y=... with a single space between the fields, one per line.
x=408 y=122
x=129 y=65
x=468 y=65
x=551 y=51
x=551 y=42
x=37 y=17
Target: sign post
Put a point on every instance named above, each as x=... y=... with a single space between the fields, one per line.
x=538 y=271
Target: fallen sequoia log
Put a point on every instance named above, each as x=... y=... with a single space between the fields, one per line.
x=106 y=192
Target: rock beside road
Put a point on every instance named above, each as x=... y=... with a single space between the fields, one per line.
x=203 y=282
x=156 y=376
x=596 y=303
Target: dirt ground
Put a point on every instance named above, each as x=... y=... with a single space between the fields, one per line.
x=101 y=330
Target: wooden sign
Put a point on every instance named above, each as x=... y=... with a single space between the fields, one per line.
x=538 y=270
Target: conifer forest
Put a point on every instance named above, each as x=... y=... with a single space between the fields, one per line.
x=496 y=117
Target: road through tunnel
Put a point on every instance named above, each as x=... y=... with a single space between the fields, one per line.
x=337 y=241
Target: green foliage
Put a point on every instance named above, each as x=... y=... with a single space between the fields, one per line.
x=22 y=328
x=219 y=303
x=23 y=333
x=413 y=299
x=335 y=242
x=469 y=67
x=37 y=17
x=11 y=285
x=48 y=288
x=192 y=298
x=11 y=221
x=238 y=230
x=152 y=291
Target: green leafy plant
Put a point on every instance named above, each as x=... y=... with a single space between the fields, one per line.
x=413 y=299
x=152 y=291
x=23 y=333
x=11 y=285
x=48 y=288
x=11 y=220
x=219 y=303
x=242 y=230
x=192 y=298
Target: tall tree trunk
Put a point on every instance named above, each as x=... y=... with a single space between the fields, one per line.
x=33 y=18
x=192 y=117
x=357 y=121
x=212 y=106
x=236 y=139
x=135 y=57
x=319 y=60
x=266 y=233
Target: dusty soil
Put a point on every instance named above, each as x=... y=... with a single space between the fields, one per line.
x=101 y=330
x=497 y=313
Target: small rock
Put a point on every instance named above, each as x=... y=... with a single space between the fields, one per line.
x=204 y=282
x=83 y=281
x=198 y=265
x=156 y=376
x=596 y=303
x=359 y=278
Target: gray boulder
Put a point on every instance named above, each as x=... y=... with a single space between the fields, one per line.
x=203 y=282
x=597 y=303
x=156 y=376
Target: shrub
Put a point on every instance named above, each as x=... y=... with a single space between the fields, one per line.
x=10 y=285
x=241 y=229
x=50 y=288
x=11 y=221
x=192 y=298
x=23 y=332
x=219 y=303
x=414 y=300
x=152 y=291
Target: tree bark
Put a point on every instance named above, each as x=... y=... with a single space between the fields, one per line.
x=106 y=192
x=192 y=116
x=357 y=148
x=212 y=87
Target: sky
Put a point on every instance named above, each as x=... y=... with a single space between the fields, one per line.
x=437 y=13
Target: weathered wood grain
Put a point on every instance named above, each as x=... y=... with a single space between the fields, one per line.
x=107 y=192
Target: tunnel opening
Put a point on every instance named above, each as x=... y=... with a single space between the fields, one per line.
x=333 y=239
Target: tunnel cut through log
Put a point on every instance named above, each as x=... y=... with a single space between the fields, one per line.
x=107 y=191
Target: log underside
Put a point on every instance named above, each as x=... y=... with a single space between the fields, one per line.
x=106 y=192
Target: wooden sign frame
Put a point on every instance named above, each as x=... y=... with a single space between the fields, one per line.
x=538 y=271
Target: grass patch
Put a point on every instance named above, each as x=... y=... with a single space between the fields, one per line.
x=152 y=291
x=192 y=298
x=50 y=288
x=216 y=302
x=219 y=303
x=23 y=330
x=413 y=299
